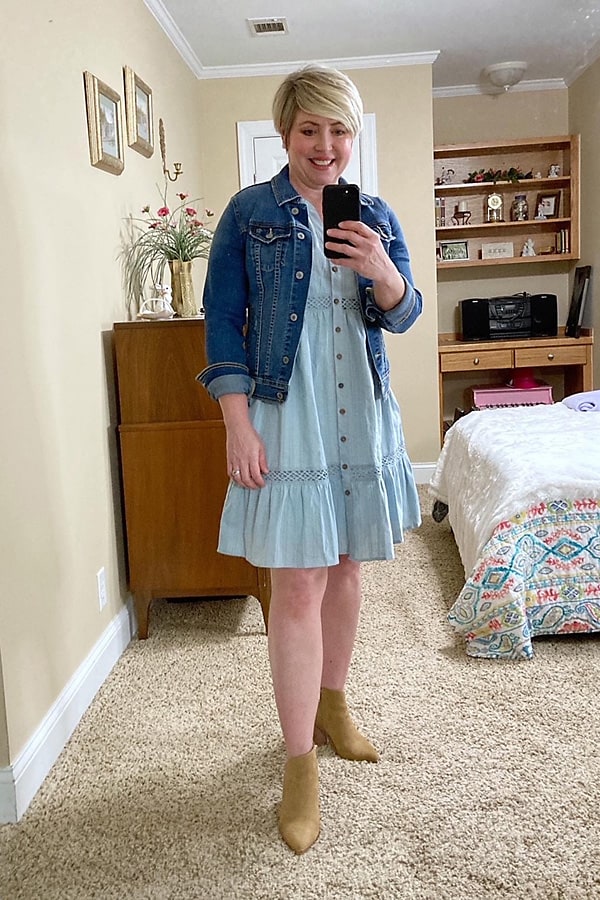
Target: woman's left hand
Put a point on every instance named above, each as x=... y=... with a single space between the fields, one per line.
x=366 y=255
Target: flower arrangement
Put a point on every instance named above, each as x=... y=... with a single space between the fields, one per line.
x=161 y=237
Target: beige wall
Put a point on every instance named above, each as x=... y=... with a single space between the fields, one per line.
x=62 y=291
x=401 y=100
x=584 y=118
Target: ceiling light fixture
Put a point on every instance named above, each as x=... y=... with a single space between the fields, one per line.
x=505 y=74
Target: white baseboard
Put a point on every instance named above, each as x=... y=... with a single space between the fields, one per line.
x=423 y=472
x=20 y=782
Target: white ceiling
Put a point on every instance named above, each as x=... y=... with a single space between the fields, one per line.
x=558 y=39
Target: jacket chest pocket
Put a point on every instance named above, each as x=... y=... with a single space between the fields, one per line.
x=385 y=233
x=269 y=245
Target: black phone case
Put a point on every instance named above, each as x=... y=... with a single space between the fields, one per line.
x=341 y=202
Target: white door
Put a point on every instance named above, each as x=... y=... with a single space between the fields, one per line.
x=261 y=154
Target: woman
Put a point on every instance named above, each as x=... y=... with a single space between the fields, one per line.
x=320 y=479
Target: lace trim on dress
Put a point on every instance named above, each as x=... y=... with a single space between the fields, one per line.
x=325 y=303
x=359 y=473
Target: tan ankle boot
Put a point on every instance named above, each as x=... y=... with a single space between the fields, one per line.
x=334 y=722
x=299 y=818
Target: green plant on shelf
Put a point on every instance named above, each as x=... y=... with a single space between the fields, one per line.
x=512 y=175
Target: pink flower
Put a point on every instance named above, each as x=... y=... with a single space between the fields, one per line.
x=163 y=212
x=190 y=211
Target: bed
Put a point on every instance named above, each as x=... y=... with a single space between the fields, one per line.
x=521 y=488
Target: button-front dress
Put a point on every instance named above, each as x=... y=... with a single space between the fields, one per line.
x=340 y=481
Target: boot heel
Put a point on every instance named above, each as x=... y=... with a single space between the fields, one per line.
x=334 y=723
x=319 y=737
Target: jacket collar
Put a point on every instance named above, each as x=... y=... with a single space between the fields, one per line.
x=285 y=192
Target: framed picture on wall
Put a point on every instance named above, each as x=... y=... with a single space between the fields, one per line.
x=138 y=113
x=105 y=133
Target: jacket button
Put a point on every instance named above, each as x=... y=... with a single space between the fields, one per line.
x=280 y=396
x=294 y=317
x=285 y=360
x=301 y=236
x=295 y=210
x=299 y=275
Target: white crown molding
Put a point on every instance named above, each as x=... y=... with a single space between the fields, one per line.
x=589 y=59
x=353 y=62
x=167 y=24
x=463 y=90
x=20 y=782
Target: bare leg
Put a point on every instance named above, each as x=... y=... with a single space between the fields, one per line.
x=296 y=652
x=339 y=617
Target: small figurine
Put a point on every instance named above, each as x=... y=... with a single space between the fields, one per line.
x=159 y=306
x=554 y=172
x=445 y=177
x=528 y=248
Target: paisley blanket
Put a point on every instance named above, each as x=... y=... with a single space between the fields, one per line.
x=522 y=486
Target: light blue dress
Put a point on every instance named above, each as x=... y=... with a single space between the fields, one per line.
x=339 y=481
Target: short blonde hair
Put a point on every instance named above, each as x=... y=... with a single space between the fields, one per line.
x=321 y=91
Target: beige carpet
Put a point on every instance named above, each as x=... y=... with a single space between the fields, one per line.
x=488 y=785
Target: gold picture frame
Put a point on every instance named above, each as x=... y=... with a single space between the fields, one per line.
x=105 y=132
x=138 y=113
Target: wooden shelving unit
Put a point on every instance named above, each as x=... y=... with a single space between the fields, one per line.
x=452 y=165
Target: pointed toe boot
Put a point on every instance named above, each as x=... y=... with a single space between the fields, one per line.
x=299 y=816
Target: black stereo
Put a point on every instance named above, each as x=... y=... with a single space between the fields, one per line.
x=520 y=315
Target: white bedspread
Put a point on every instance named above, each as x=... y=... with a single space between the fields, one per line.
x=497 y=462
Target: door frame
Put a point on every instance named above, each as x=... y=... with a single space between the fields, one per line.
x=248 y=131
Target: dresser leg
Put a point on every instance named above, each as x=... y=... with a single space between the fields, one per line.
x=264 y=594
x=142 y=609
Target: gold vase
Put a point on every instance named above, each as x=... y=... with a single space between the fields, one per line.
x=182 y=288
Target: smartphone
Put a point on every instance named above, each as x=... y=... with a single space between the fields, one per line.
x=341 y=203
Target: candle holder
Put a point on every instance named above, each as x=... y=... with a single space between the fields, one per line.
x=461 y=217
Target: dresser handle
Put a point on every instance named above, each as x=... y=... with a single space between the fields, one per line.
x=551 y=356
x=476 y=361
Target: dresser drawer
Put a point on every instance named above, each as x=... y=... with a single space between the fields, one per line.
x=473 y=360
x=551 y=356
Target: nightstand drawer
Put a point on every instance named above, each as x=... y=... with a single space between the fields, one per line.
x=474 y=360
x=551 y=356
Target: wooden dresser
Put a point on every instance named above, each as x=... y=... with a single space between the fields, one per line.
x=172 y=444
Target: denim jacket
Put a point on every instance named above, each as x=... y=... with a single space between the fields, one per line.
x=257 y=284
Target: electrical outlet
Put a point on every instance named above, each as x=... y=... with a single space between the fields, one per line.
x=102 y=595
